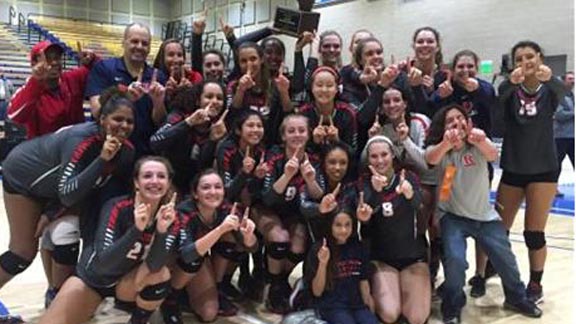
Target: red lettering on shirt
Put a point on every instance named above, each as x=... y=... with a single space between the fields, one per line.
x=468 y=160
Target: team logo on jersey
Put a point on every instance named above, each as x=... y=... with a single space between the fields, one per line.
x=468 y=160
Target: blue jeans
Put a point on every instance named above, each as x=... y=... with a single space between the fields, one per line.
x=493 y=239
x=348 y=316
x=3 y=109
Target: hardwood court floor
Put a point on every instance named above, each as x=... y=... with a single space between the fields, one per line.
x=24 y=295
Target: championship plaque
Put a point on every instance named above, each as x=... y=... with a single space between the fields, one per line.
x=294 y=22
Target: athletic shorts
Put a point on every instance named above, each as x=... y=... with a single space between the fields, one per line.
x=523 y=180
x=63 y=231
x=401 y=264
x=104 y=292
x=192 y=267
x=8 y=187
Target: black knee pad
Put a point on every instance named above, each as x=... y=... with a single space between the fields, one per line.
x=228 y=251
x=13 y=264
x=191 y=267
x=277 y=250
x=155 y=292
x=534 y=240
x=295 y=257
x=66 y=254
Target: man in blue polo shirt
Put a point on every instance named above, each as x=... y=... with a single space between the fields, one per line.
x=143 y=82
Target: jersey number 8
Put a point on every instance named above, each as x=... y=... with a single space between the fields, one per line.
x=387 y=210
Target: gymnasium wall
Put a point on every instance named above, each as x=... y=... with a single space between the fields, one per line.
x=489 y=27
x=151 y=12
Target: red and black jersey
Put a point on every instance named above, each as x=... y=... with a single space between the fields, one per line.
x=528 y=146
x=119 y=246
x=343 y=117
x=189 y=149
x=267 y=104
x=288 y=202
x=193 y=227
x=65 y=165
x=239 y=185
x=392 y=229
x=309 y=207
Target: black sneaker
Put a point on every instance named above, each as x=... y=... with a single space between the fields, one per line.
x=184 y=302
x=277 y=301
x=286 y=289
x=252 y=287
x=534 y=293
x=171 y=313
x=478 y=286
x=229 y=290
x=439 y=290
x=526 y=308
x=489 y=272
x=225 y=307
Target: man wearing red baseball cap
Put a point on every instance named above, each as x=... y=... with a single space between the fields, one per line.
x=50 y=98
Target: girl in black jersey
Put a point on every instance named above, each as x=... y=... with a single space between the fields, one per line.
x=258 y=90
x=127 y=259
x=214 y=65
x=207 y=226
x=242 y=165
x=292 y=172
x=350 y=72
x=241 y=159
x=63 y=168
x=428 y=59
x=330 y=49
x=340 y=189
x=530 y=170
x=375 y=79
x=274 y=53
x=338 y=275
x=331 y=119
x=170 y=60
x=210 y=63
x=192 y=130
x=388 y=209
x=369 y=61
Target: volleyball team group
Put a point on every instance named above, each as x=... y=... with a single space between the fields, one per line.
x=372 y=174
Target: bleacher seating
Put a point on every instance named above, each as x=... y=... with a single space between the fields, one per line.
x=14 y=54
x=104 y=39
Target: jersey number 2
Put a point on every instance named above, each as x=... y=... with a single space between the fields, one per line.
x=135 y=252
